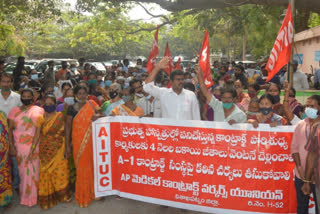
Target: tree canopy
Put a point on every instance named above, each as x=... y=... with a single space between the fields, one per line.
x=100 y=29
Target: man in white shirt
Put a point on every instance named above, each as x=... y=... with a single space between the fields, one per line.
x=176 y=102
x=300 y=79
x=224 y=110
x=9 y=100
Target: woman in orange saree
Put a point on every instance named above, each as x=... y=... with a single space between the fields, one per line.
x=78 y=125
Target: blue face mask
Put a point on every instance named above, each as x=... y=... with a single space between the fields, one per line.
x=126 y=98
x=311 y=113
x=107 y=83
x=34 y=76
x=227 y=105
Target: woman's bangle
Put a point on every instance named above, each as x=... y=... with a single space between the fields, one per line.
x=33 y=146
x=306 y=181
x=286 y=101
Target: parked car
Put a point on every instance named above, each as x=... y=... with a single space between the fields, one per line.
x=9 y=67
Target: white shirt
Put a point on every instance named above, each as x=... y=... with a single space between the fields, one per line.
x=237 y=114
x=12 y=101
x=183 y=106
x=145 y=104
x=156 y=108
x=295 y=120
x=300 y=81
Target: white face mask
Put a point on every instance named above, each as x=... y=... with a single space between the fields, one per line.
x=69 y=101
x=311 y=113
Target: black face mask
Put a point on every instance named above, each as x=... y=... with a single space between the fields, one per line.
x=97 y=94
x=276 y=98
x=113 y=94
x=265 y=111
x=26 y=102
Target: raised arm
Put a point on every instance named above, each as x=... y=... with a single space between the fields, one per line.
x=160 y=65
x=203 y=87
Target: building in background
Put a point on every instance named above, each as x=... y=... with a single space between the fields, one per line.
x=307 y=49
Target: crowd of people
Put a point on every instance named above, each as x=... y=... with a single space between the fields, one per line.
x=45 y=123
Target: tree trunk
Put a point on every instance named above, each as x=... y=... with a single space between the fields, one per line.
x=244 y=46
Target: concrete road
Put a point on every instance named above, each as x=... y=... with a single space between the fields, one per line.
x=109 y=205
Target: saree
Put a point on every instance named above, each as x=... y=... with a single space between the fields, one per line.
x=26 y=122
x=54 y=171
x=83 y=153
x=123 y=110
x=108 y=107
x=5 y=176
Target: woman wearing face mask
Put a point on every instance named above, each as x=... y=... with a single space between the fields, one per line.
x=24 y=132
x=275 y=90
x=266 y=114
x=67 y=101
x=64 y=88
x=115 y=99
x=128 y=108
x=78 y=128
x=224 y=110
x=95 y=94
x=54 y=172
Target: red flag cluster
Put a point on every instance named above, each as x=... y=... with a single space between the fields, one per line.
x=281 y=51
x=204 y=58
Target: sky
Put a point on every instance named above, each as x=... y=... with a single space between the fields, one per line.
x=138 y=12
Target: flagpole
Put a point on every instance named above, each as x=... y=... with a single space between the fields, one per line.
x=292 y=2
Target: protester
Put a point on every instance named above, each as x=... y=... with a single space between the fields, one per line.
x=115 y=99
x=266 y=114
x=6 y=194
x=8 y=100
x=54 y=173
x=142 y=98
x=67 y=101
x=312 y=167
x=64 y=88
x=78 y=128
x=24 y=131
x=176 y=102
x=62 y=72
x=299 y=154
x=242 y=97
x=274 y=90
x=209 y=110
x=18 y=71
x=128 y=108
x=224 y=110
x=316 y=79
x=253 y=108
x=294 y=104
x=261 y=80
x=49 y=75
x=239 y=74
x=300 y=80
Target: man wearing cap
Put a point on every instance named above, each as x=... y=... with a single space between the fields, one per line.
x=300 y=79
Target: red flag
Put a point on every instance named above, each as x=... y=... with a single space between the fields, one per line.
x=170 y=66
x=205 y=60
x=281 y=51
x=153 y=53
x=178 y=66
